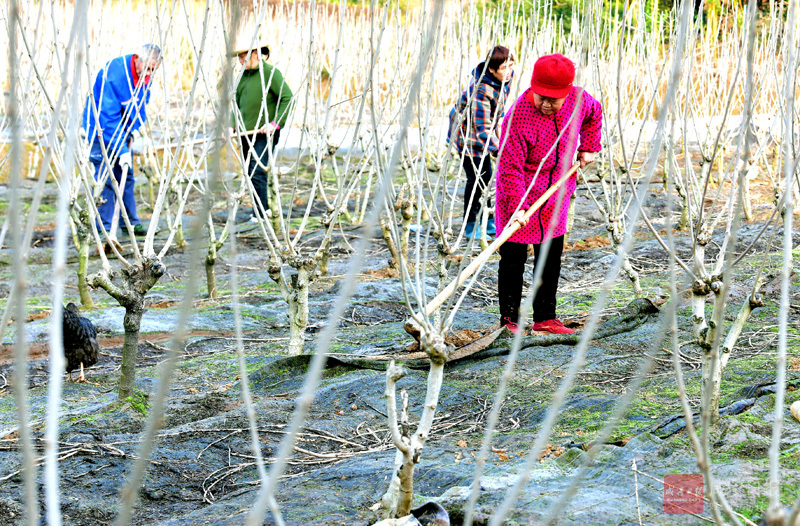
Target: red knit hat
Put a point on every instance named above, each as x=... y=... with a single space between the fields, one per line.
x=553 y=76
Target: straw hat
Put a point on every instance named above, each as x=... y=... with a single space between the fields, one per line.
x=243 y=45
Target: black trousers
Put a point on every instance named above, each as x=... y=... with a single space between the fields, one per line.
x=471 y=166
x=255 y=156
x=511 y=273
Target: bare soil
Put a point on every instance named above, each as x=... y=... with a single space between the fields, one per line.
x=202 y=469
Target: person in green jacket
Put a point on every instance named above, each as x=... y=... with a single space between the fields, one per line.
x=263 y=102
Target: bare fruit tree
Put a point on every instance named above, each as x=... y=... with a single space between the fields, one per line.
x=699 y=149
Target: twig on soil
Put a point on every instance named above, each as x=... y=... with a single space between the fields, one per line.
x=747 y=521
x=636 y=488
x=76 y=448
x=91 y=471
x=279 y=382
x=243 y=266
x=445 y=425
x=155 y=346
x=330 y=436
x=258 y=340
x=371 y=406
x=372 y=433
x=218 y=441
x=581 y=286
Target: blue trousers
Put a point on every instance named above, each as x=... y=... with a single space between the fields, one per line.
x=259 y=152
x=106 y=210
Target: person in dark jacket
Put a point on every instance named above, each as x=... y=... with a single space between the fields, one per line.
x=263 y=102
x=474 y=122
x=114 y=111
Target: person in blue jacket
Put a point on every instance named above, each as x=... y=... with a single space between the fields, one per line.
x=114 y=110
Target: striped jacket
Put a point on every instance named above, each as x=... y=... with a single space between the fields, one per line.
x=476 y=130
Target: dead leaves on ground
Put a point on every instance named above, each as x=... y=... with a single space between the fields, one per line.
x=588 y=243
x=551 y=451
x=457 y=339
x=383 y=273
x=463 y=337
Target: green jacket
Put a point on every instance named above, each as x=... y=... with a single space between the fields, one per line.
x=276 y=98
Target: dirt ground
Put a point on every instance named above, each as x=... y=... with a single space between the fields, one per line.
x=203 y=471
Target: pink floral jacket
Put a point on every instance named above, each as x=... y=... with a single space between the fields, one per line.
x=528 y=135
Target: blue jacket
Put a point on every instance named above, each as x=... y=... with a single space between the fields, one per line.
x=121 y=108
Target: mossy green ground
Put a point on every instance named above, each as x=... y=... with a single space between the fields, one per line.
x=206 y=397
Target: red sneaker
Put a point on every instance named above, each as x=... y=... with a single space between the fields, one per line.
x=554 y=326
x=512 y=325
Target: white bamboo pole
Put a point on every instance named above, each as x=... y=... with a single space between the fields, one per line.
x=790 y=84
x=57 y=361
x=30 y=485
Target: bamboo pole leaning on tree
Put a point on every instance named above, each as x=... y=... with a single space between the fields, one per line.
x=411 y=325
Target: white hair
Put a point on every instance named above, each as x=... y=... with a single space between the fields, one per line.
x=150 y=51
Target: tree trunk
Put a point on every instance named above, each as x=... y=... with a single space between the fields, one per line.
x=442 y=270
x=714 y=358
x=394 y=261
x=324 y=261
x=130 y=350
x=362 y=208
x=615 y=236
x=298 y=307
x=323 y=254
x=83 y=242
x=391 y=499
x=715 y=376
x=633 y=276
x=699 y=316
x=406 y=489
x=137 y=280
x=211 y=280
x=180 y=239
x=83 y=263
x=683 y=222
x=273 y=206
x=484 y=220
x=712 y=376
x=408 y=217
x=397 y=500
x=149 y=172
x=747 y=202
x=699 y=291
x=211 y=277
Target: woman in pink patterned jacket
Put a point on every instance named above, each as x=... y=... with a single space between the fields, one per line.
x=551 y=111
